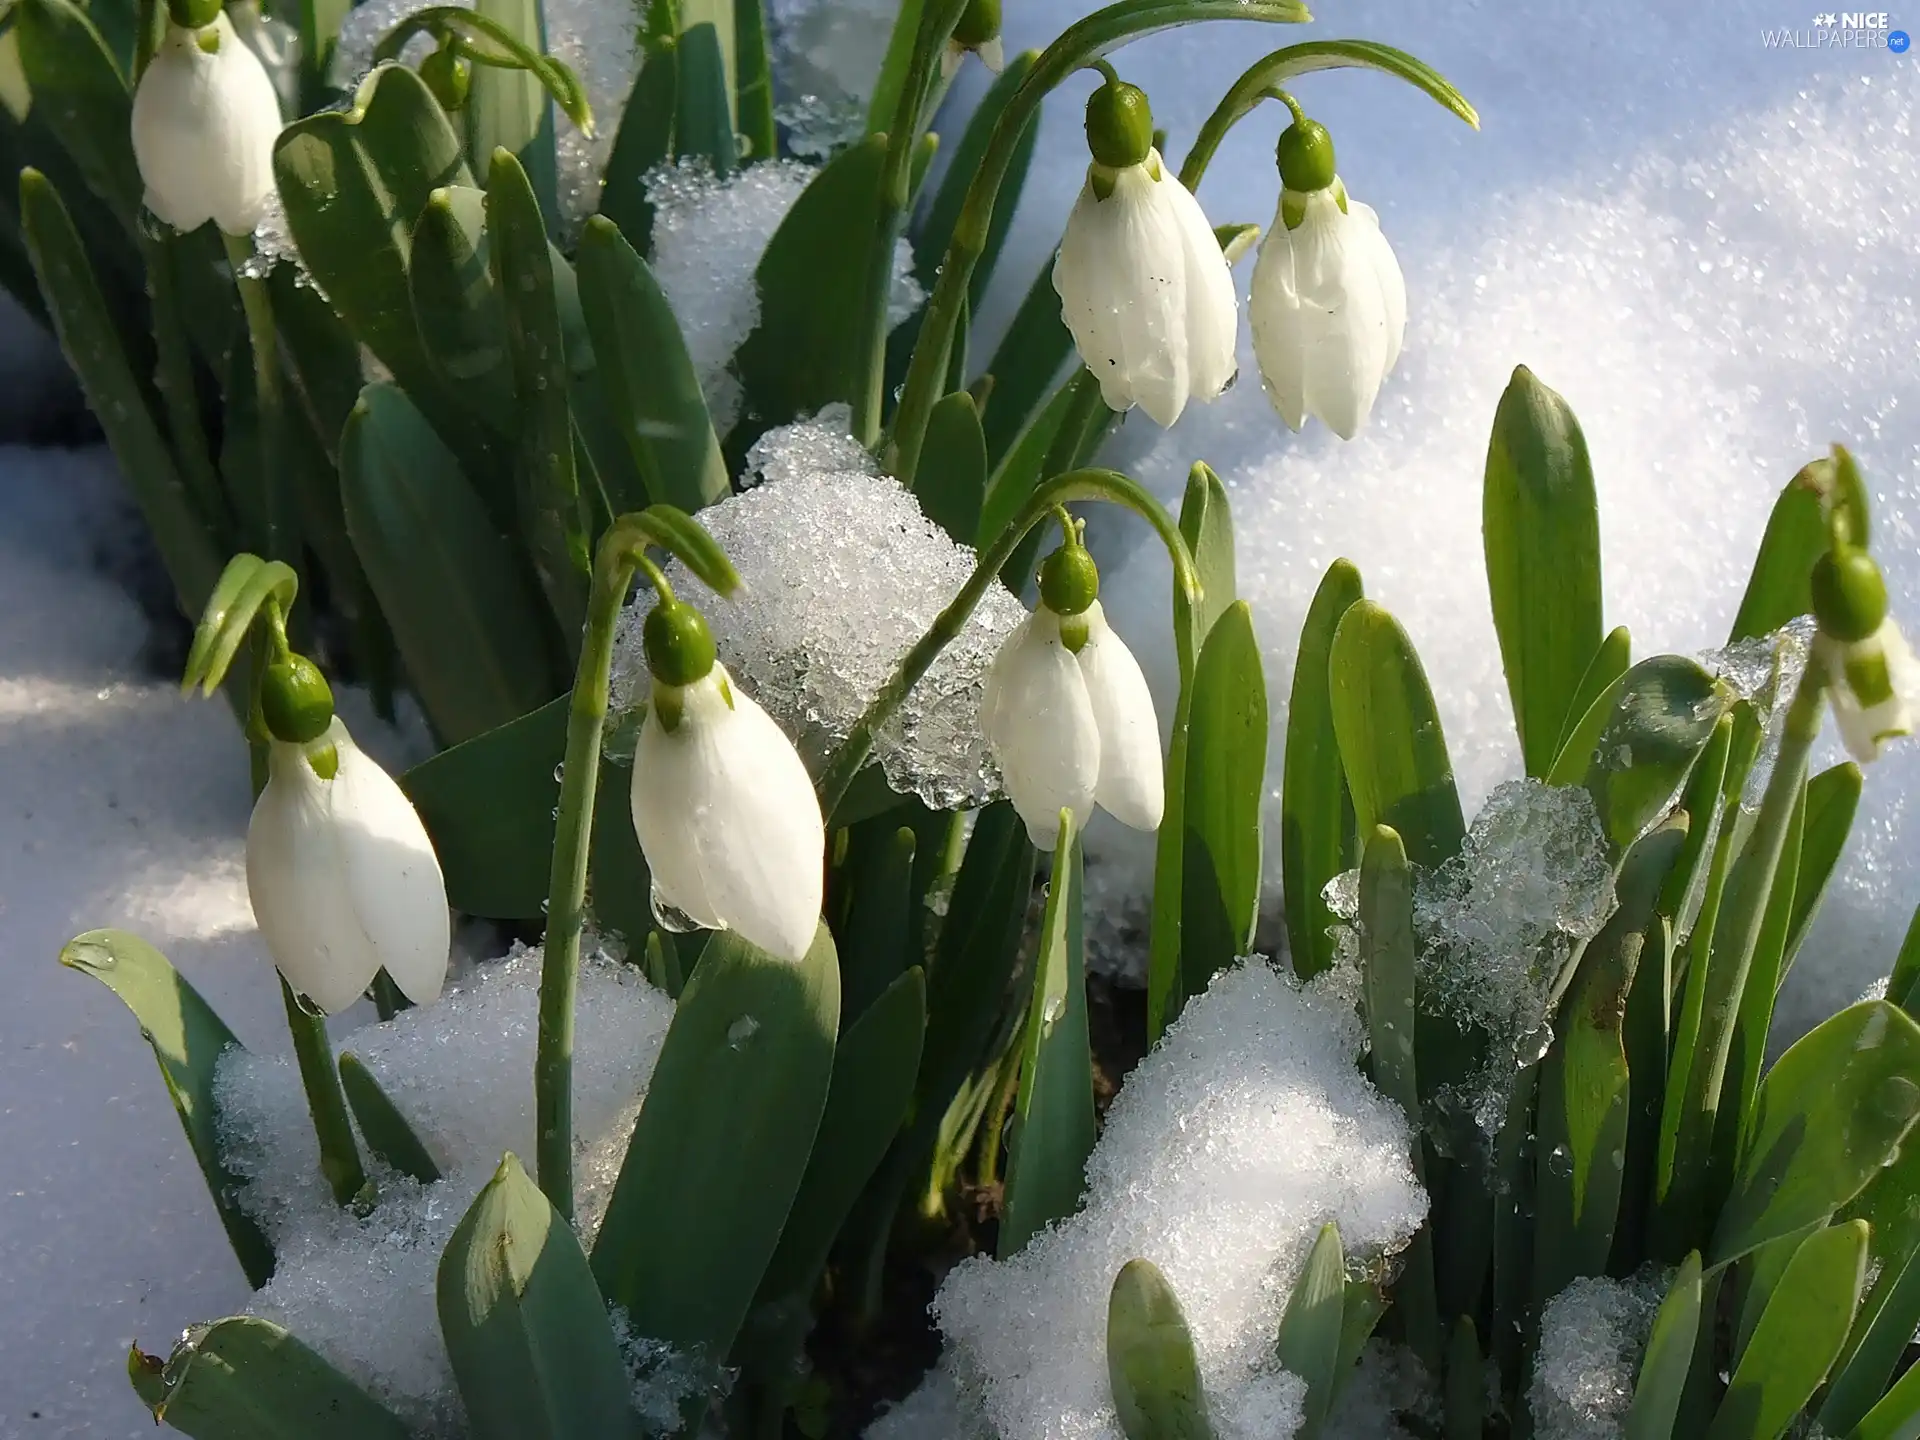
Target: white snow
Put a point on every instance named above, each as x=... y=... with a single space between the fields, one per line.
x=1243 y=1132
x=1592 y=1335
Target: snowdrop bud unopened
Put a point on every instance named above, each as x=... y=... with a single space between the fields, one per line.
x=1874 y=685
x=204 y=122
x=722 y=803
x=1328 y=303
x=1142 y=283
x=342 y=876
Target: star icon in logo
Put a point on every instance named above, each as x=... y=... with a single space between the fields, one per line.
x=1826 y=18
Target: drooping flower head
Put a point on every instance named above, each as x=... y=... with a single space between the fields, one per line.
x=977 y=33
x=1873 y=680
x=1067 y=710
x=205 y=118
x=1142 y=283
x=722 y=804
x=1328 y=303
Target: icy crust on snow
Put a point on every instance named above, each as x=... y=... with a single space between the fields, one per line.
x=360 y=1290
x=1244 y=1131
x=842 y=574
x=826 y=57
x=1592 y=1335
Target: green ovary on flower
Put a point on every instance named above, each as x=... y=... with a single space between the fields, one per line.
x=296 y=701
x=449 y=75
x=1849 y=595
x=1305 y=155
x=977 y=33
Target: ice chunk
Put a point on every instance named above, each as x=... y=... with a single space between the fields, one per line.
x=826 y=57
x=360 y=1290
x=273 y=245
x=1592 y=1335
x=936 y=1410
x=842 y=575
x=664 y=1378
x=1245 y=1130
x=1388 y=1385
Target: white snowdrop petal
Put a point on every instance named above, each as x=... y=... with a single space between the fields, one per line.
x=1386 y=267
x=1272 y=309
x=1342 y=316
x=1212 y=308
x=297 y=885
x=1132 y=785
x=392 y=876
x=204 y=125
x=1042 y=729
x=666 y=770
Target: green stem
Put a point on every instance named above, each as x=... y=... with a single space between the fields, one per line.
x=1736 y=933
x=937 y=20
x=326 y=1101
x=1090 y=484
x=281 y=543
x=150 y=28
x=177 y=390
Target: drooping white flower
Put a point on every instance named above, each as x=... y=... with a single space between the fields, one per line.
x=726 y=815
x=1142 y=283
x=1072 y=729
x=1328 y=302
x=976 y=33
x=205 y=119
x=991 y=53
x=342 y=876
x=1874 y=685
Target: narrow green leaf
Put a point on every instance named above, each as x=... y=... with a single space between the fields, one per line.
x=552 y=524
x=874 y=1067
x=1830 y=1112
x=1668 y=1358
x=456 y=303
x=1151 y=1363
x=526 y=1330
x=508 y=109
x=1310 y=1330
x=1360 y=1314
x=188 y=1040
x=1903 y=984
x=1701 y=801
x=80 y=91
x=952 y=480
x=1316 y=811
x=464 y=621
x=1780 y=586
x=1053 y=1114
x=1465 y=1394
x=248 y=1379
x=382 y=1126
x=648 y=380
x=877 y=882
x=1206 y=524
x=1890 y=1311
x=1221 y=829
x=703 y=122
x=753 y=87
x=645 y=137
x=1833 y=796
x=1661 y=720
x=1648 y=1021
x=1897 y=1416
x=893 y=67
x=722 y=1143
x=1760 y=1276
x=1026 y=367
x=936 y=233
x=1797 y=1338
x=1610 y=661
x=1542 y=530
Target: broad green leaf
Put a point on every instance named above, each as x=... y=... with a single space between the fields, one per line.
x=456 y=302
x=91 y=344
x=1832 y=798
x=876 y=889
x=526 y=1330
x=1830 y=1113
x=1780 y=586
x=552 y=524
x=952 y=480
x=1151 y=1364
x=1542 y=529
x=188 y=1040
x=1221 y=830
x=703 y=120
x=249 y=1379
x=645 y=136
x=1206 y=524
x=1584 y=1088
x=1662 y=718
x=1389 y=736
x=1668 y=1357
x=722 y=1143
x=79 y=90
x=1359 y=1316
x=1026 y=366
x=1890 y=1311
x=1604 y=671
x=1760 y=1275
x=1310 y=1330
x=648 y=381
x=1797 y=1338
x=382 y=1126
x=464 y=620
x=1053 y=1126
x=509 y=109
x=1316 y=812
x=874 y=1066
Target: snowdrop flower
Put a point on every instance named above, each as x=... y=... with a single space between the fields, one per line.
x=1142 y=283
x=978 y=33
x=204 y=121
x=342 y=876
x=722 y=804
x=1328 y=303
x=1873 y=680
x=1067 y=711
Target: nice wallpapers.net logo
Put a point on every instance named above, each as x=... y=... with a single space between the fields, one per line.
x=1841 y=30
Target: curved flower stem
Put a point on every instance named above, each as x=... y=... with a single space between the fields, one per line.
x=937 y=20
x=326 y=1101
x=281 y=541
x=621 y=552
x=1736 y=935
x=1090 y=484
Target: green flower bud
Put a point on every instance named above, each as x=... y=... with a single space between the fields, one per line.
x=449 y=76
x=979 y=23
x=1849 y=596
x=678 y=644
x=296 y=701
x=1119 y=125
x=194 y=14
x=1069 y=580
x=1305 y=154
